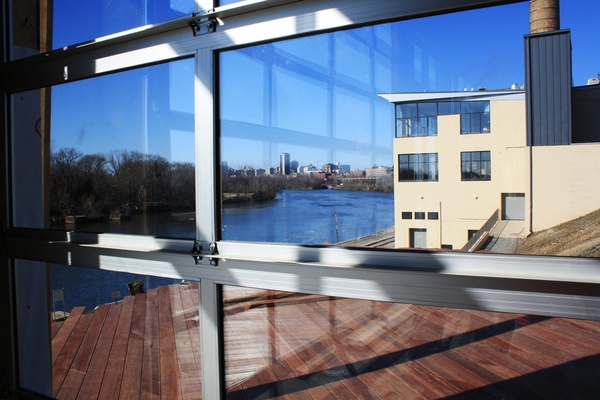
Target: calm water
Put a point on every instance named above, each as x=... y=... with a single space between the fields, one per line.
x=307 y=217
x=296 y=216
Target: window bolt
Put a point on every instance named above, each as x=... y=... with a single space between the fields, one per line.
x=201 y=253
x=203 y=26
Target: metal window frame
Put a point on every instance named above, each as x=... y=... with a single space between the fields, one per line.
x=555 y=286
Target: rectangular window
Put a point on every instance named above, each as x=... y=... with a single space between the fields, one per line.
x=474 y=117
x=406 y=215
x=123 y=160
x=315 y=113
x=476 y=166
x=419 y=215
x=432 y=215
x=416 y=119
x=418 y=167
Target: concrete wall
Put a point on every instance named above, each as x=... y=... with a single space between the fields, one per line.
x=566 y=183
x=463 y=205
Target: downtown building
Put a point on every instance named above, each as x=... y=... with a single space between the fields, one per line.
x=464 y=160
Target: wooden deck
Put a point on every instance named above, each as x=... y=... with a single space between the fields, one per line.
x=280 y=345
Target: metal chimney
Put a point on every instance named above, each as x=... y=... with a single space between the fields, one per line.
x=544 y=16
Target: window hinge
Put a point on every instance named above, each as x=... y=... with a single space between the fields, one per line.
x=203 y=26
x=202 y=252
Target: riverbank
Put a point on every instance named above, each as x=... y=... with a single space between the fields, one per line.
x=384 y=238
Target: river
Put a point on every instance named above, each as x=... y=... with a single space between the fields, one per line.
x=295 y=216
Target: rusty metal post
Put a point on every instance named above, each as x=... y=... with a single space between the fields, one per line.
x=544 y=16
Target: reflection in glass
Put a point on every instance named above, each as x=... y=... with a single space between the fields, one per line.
x=122 y=152
x=279 y=343
x=27 y=158
x=29 y=29
x=317 y=102
x=103 y=18
x=314 y=102
x=32 y=313
x=123 y=336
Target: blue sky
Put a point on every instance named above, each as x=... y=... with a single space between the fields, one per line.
x=314 y=97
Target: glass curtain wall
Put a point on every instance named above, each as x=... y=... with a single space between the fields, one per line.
x=121 y=160
x=308 y=149
x=297 y=142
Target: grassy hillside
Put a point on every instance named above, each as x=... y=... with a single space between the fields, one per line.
x=579 y=237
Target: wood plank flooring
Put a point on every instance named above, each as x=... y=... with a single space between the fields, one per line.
x=286 y=346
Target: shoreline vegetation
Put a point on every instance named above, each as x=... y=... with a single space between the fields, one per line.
x=117 y=185
x=243 y=189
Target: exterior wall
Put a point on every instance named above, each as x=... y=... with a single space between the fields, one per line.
x=565 y=183
x=377 y=172
x=463 y=205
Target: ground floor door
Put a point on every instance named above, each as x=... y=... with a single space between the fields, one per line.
x=418 y=238
x=513 y=206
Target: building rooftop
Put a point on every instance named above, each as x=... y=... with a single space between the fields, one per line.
x=506 y=94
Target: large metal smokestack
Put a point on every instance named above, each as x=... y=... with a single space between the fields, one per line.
x=543 y=16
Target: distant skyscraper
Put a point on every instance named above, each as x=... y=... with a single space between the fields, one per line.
x=293 y=166
x=284 y=164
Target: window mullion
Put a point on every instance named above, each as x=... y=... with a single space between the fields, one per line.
x=211 y=334
x=205 y=148
x=211 y=340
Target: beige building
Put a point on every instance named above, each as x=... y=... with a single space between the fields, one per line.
x=462 y=157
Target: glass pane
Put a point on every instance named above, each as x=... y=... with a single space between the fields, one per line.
x=32 y=314
x=427 y=109
x=29 y=29
x=407 y=110
x=93 y=333
x=448 y=107
x=101 y=18
x=29 y=123
x=121 y=161
x=280 y=344
x=116 y=335
x=468 y=107
x=317 y=99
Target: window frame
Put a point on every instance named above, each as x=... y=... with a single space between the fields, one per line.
x=480 y=281
x=421 y=124
x=468 y=174
x=483 y=119
x=423 y=167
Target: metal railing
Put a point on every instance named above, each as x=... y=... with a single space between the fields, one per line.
x=487 y=227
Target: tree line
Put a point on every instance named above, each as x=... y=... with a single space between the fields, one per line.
x=244 y=188
x=117 y=184
x=123 y=182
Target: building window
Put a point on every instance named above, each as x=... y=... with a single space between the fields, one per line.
x=406 y=215
x=419 y=215
x=474 y=117
x=432 y=215
x=416 y=119
x=418 y=167
x=476 y=166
